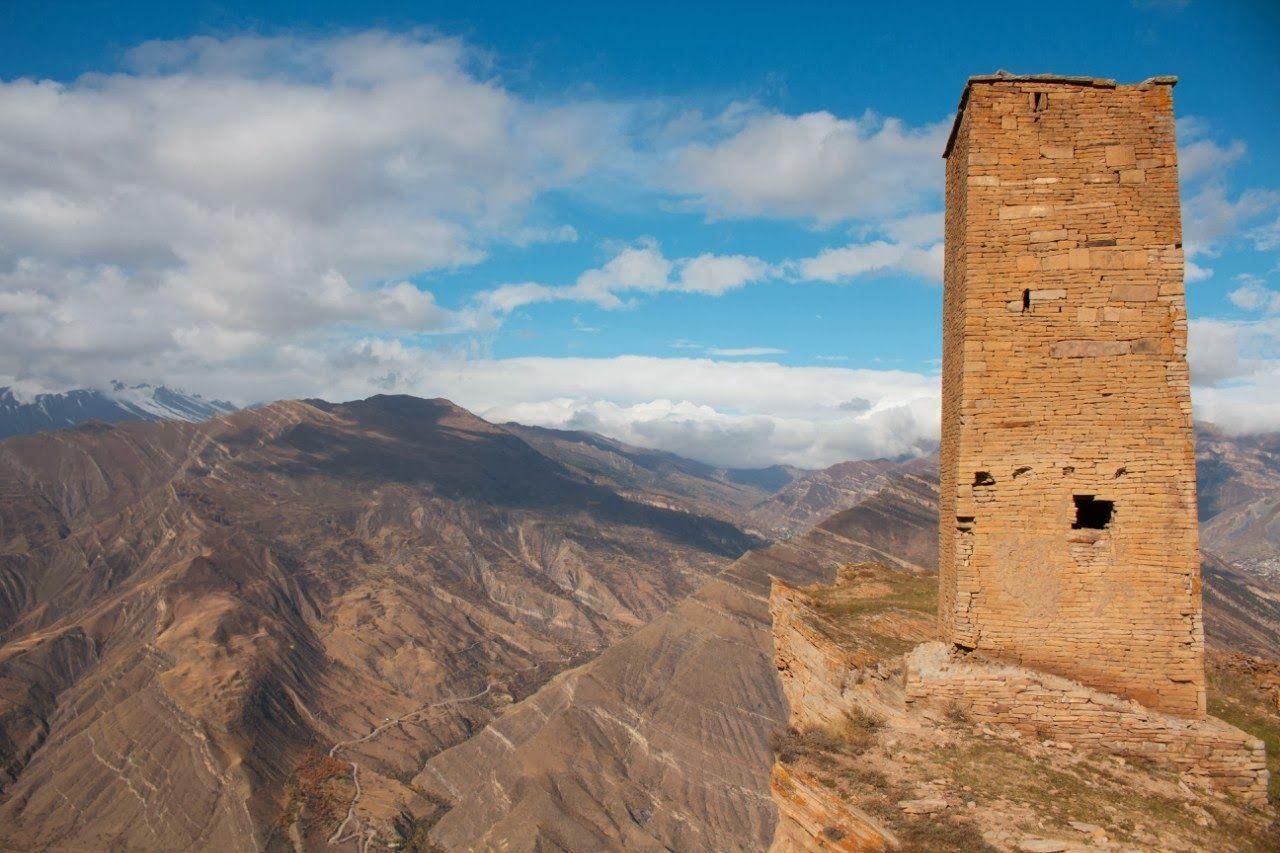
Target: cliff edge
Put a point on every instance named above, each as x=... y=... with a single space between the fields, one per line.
x=876 y=757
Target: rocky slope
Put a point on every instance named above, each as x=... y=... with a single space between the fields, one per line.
x=117 y=404
x=315 y=623
x=778 y=502
x=251 y=632
x=663 y=741
x=865 y=768
x=1239 y=496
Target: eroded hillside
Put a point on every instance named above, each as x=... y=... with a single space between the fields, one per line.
x=863 y=767
x=253 y=631
x=664 y=740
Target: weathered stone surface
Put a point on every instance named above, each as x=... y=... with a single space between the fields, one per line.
x=991 y=693
x=815 y=819
x=1041 y=845
x=924 y=806
x=1064 y=355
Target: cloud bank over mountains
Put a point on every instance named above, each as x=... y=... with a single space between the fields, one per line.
x=263 y=217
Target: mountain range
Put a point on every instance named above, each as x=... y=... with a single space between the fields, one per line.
x=116 y=404
x=390 y=622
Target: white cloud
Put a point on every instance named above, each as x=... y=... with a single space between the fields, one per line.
x=228 y=197
x=1202 y=157
x=917 y=229
x=635 y=270
x=714 y=275
x=1254 y=295
x=727 y=413
x=876 y=257
x=815 y=166
x=746 y=351
x=1214 y=217
x=730 y=412
x=1194 y=272
x=1210 y=216
x=1266 y=237
x=1235 y=366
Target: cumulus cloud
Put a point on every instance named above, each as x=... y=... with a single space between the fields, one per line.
x=740 y=413
x=1213 y=216
x=231 y=204
x=878 y=256
x=743 y=413
x=225 y=196
x=633 y=271
x=815 y=166
x=1266 y=237
x=1254 y=295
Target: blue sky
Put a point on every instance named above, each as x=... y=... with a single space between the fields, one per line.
x=713 y=230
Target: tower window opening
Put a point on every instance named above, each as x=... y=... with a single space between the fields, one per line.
x=983 y=478
x=1026 y=300
x=1091 y=513
x=1039 y=102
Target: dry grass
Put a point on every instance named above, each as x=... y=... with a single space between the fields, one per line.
x=1240 y=693
x=318 y=789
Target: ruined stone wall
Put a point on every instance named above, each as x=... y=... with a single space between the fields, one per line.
x=1066 y=395
x=1046 y=706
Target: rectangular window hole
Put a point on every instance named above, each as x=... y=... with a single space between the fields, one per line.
x=1026 y=300
x=1039 y=102
x=1091 y=513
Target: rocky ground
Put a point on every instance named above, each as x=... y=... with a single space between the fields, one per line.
x=864 y=771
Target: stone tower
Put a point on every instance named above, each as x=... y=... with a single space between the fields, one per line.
x=1068 y=531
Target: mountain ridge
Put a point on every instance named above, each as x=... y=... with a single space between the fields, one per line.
x=119 y=403
x=208 y=604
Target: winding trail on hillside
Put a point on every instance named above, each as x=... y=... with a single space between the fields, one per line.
x=362 y=840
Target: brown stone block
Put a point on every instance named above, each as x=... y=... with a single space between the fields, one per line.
x=1057 y=152
x=1119 y=155
x=1135 y=292
x=1024 y=211
x=1088 y=349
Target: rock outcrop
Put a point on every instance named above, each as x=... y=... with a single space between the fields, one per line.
x=1036 y=703
x=882 y=752
x=664 y=740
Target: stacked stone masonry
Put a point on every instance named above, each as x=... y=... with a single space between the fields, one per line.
x=1043 y=705
x=1068 y=532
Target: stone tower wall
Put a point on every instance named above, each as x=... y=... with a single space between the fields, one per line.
x=1066 y=397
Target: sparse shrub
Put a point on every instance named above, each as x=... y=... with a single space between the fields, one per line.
x=857 y=730
x=937 y=835
x=833 y=833
x=312 y=788
x=785 y=744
